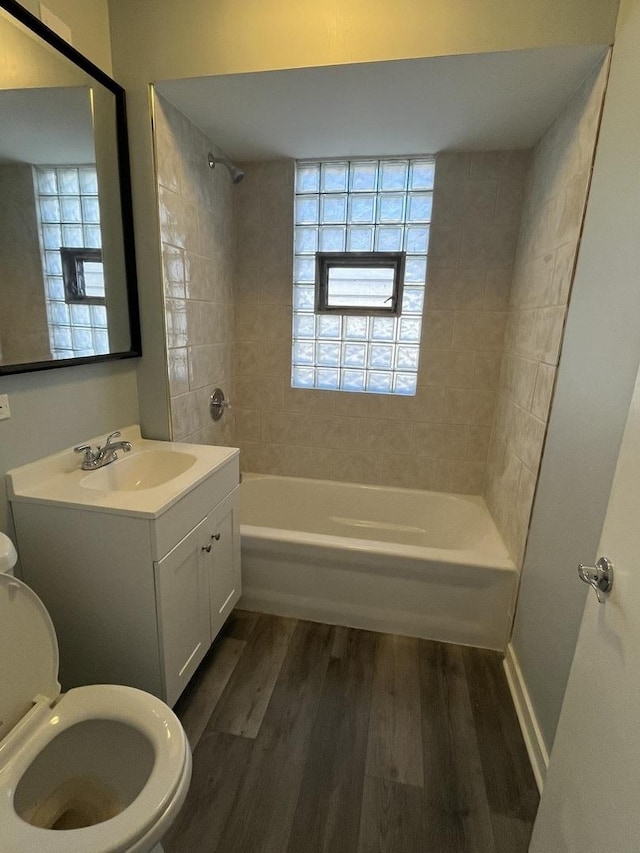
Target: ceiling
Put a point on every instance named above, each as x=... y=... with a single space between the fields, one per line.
x=46 y=126
x=474 y=102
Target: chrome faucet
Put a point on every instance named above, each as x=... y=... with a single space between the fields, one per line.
x=104 y=455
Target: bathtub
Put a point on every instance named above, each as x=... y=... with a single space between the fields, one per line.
x=418 y=563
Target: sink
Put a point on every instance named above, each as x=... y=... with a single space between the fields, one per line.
x=144 y=470
x=143 y=483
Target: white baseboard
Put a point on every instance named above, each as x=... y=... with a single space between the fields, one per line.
x=538 y=755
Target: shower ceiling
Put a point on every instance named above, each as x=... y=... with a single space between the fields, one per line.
x=474 y=102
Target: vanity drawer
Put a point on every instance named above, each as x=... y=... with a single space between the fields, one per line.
x=174 y=524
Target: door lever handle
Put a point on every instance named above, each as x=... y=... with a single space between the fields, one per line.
x=600 y=577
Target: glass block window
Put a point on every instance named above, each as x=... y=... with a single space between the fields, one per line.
x=379 y=206
x=69 y=218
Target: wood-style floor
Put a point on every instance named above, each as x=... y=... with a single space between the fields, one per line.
x=311 y=738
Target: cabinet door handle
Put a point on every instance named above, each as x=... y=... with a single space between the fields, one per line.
x=216 y=536
x=206 y=548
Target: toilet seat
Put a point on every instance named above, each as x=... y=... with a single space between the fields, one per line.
x=158 y=800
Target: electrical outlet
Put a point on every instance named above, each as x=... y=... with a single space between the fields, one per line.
x=5 y=411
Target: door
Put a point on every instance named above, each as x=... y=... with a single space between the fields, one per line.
x=182 y=602
x=591 y=797
x=224 y=566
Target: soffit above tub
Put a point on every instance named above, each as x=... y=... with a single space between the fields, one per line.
x=473 y=102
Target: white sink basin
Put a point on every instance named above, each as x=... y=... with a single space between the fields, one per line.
x=144 y=470
x=144 y=483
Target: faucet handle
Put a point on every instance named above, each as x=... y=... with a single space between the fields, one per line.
x=89 y=452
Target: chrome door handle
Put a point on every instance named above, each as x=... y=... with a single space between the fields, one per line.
x=600 y=577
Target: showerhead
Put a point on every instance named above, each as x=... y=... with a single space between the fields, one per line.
x=236 y=174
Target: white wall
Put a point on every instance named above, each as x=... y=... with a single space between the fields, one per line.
x=89 y=22
x=595 y=381
x=56 y=408
x=193 y=38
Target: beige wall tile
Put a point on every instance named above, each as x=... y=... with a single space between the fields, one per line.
x=195 y=223
x=264 y=393
x=247 y=424
x=452 y=166
x=380 y=450
x=385 y=436
x=441 y=441
x=478 y=447
x=447 y=369
x=444 y=243
x=545 y=379
x=497 y=289
x=173 y=272
x=349 y=467
x=310 y=401
x=427 y=405
x=437 y=330
x=461 y=477
x=455 y=288
x=465 y=200
x=285 y=428
x=178 y=371
x=362 y=405
x=518 y=379
x=313 y=462
x=487 y=370
x=486 y=246
x=210 y=364
x=479 y=330
x=335 y=432
x=176 y=322
x=549 y=331
x=563 y=274
x=469 y=406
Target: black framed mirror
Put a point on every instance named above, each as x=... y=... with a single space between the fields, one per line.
x=68 y=291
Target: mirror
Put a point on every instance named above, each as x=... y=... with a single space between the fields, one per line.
x=67 y=262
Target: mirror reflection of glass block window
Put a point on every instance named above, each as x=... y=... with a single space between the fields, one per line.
x=357 y=327
x=69 y=220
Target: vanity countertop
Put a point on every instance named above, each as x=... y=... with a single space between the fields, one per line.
x=60 y=480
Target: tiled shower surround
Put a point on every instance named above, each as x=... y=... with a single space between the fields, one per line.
x=547 y=248
x=437 y=439
x=195 y=228
x=489 y=349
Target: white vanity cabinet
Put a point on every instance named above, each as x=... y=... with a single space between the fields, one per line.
x=137 y=590
x=197 y=585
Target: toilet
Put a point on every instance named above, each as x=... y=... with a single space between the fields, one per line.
x=100 y=769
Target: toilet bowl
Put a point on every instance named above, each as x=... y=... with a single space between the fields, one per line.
x=100 y=769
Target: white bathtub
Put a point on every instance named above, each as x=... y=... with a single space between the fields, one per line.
x=423 y=564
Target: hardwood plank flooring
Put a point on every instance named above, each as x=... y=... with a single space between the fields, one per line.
x=246 y=697
x=312 y=738
x=326 y=816
x=394 y=751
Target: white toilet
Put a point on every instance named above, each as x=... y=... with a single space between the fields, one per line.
x=100 y=769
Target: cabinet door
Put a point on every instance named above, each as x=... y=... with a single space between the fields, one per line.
x=224 y=568
x=182 y=601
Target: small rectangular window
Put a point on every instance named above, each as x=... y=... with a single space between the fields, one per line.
x=83 y=276
x=359 y=282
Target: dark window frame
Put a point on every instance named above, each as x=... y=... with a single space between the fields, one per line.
x=326 y=261
x=73 y=275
